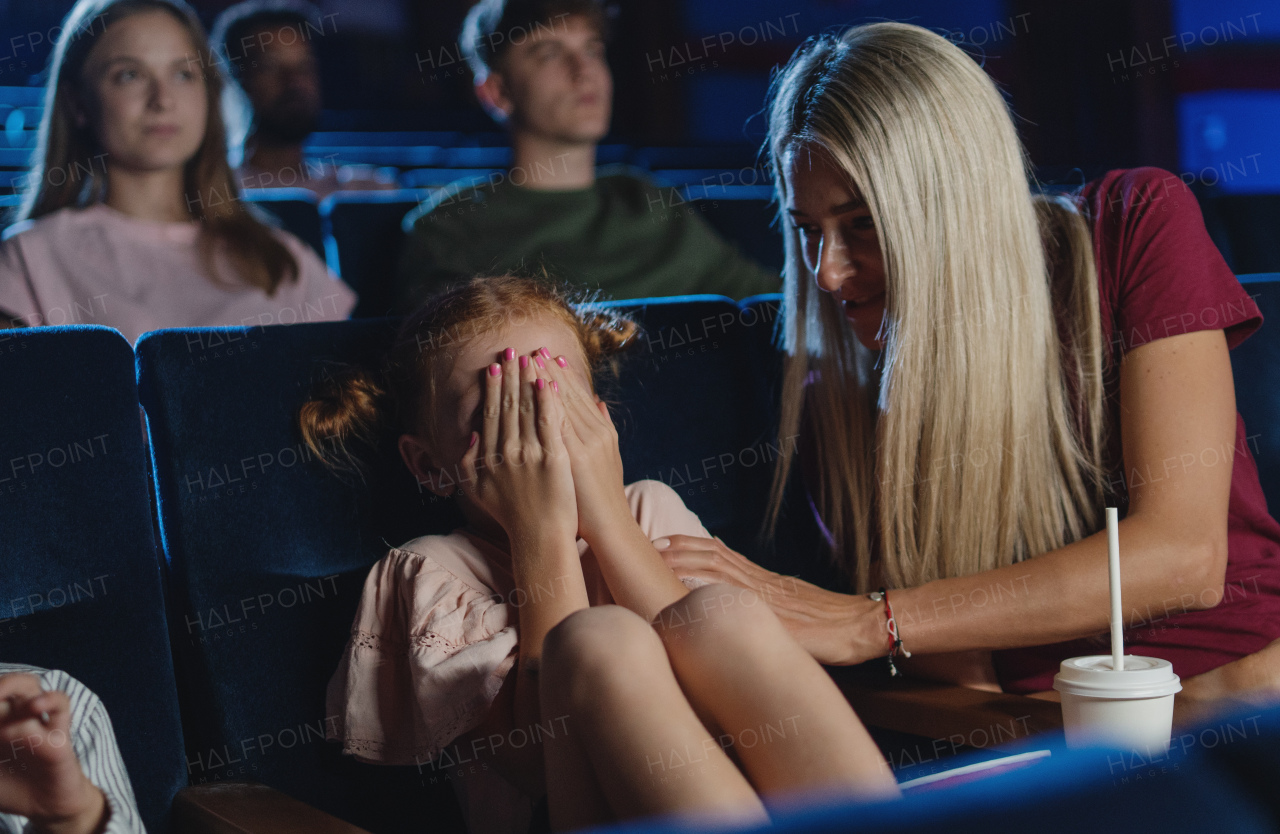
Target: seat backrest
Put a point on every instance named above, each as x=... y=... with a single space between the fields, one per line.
x=80 y=581
x=694 y=410
x=1255 y=364
x=798 y=547
x=484 y=157
x=440 y=177
x=364 y=235
x=1245 y=228
x=748 y=221
x=268 y=552
x=293 y=209
x=696 y=156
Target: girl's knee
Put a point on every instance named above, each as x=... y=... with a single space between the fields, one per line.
x=592 y=641
x=717 y=615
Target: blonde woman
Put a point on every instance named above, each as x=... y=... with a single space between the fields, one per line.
x=975 y=372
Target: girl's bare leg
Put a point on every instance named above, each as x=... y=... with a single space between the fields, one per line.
x=790 y=725
x=633 y=746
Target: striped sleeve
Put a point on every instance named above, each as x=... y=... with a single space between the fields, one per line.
x=94 y=741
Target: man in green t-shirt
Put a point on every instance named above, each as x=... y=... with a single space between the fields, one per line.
x=540 y=70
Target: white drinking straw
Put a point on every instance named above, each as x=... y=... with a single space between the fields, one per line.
x=1113 y=559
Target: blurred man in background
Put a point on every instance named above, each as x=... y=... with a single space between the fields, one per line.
x=540 y=70
x=269 y=49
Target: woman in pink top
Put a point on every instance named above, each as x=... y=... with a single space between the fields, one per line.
x=132 y=218
x=546 y=640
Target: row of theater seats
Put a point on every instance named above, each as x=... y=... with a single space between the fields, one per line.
x=360 y=233
x=212 y=649
x=1245 y=228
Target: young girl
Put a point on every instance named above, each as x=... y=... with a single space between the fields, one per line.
x=546 y=639
x=134 y=219
x=976 y=372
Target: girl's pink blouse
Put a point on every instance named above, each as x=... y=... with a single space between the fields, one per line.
x=435 y=635
x=97 y=265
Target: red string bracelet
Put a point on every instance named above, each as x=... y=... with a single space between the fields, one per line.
x=891 y=624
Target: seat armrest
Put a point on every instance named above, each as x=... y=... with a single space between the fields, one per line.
x=944 y=711
x=247 y=808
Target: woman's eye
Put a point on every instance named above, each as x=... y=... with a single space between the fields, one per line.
x=863 y=222
x=126 y=75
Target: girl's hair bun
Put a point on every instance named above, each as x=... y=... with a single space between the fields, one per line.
x=345 y=411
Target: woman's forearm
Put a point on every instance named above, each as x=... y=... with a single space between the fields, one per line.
x=1064 y=594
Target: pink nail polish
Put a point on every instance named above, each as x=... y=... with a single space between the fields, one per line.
x=546 y=353
x=560 y=360
x=495 y=369
x=474 y=438
x=509 y=354
x=538 y=359
x=540 y=383
x=555 y=386
x=524 y=361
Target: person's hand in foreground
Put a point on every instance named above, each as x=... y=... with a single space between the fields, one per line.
x=46 y=783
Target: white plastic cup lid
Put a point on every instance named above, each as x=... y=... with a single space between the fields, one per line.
x=1094 y=677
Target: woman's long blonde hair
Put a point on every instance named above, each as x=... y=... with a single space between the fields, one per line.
x=976 y=440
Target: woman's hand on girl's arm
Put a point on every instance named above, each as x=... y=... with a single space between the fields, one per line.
x=635 y=574
x=835 y=628
x=1177 y=412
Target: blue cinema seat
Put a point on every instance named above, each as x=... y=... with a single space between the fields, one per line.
x=267 y=554
x=80 y=581
x=1255 y=363
x=363 y=237
x=695 y=410
x=1244 y=227
x=744 y=214
x=293 y=209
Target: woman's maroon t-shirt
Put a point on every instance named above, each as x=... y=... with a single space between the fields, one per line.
x=1160 y=275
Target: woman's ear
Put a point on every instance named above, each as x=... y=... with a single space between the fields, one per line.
x=417 y=457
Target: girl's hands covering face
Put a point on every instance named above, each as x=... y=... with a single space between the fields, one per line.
x=592 y=443
x=517 y=468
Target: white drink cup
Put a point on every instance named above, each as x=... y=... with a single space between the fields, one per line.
x=1131 y=708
